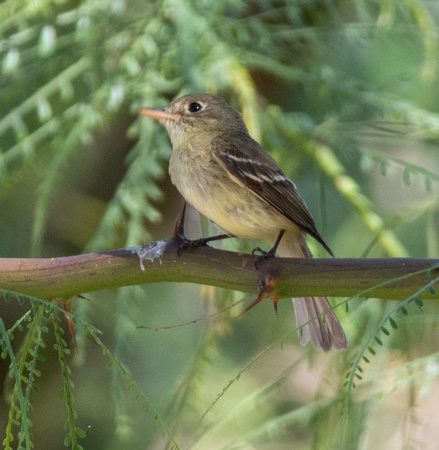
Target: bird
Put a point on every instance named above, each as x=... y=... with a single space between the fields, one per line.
x=230 y=178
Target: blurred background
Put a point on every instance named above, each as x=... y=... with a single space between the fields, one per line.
x=343 y=94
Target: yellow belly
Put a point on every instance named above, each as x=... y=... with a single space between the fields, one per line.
x=234 y=207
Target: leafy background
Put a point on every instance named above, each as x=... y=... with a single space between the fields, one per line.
x=343 y=94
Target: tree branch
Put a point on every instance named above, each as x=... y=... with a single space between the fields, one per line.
x=68 y=276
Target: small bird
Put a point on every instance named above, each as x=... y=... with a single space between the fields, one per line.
x=230 y=178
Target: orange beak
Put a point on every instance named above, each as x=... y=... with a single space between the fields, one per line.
x=159 y=114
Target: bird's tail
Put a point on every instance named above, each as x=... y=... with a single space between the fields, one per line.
x=325 y=331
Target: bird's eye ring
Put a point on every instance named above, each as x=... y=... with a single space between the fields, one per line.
x=195 y=107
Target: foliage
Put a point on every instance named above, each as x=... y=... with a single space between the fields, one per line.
x=345 y=98
x=23 y=371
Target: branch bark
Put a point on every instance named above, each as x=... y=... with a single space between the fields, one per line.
x=66 y=277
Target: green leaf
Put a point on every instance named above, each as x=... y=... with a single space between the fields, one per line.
x=427 y=183
x=406 y=176
x=419 y=302
x=80 y=432
x=11 y=61
x=46 y=45
x=383 y=167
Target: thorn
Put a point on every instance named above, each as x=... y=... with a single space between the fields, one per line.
x=180 y=222
x=67 y=307
x=275 y=300
x=179 y=234
x=266 y=290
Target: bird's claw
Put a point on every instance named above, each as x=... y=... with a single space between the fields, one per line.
x=265 y=255
x=180 y=240
x=261 y=255
x=187 y=244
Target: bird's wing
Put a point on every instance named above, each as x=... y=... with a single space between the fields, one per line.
x=257 y=170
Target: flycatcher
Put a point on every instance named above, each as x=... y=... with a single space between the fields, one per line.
x=227 y=176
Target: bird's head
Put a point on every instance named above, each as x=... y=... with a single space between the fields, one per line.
x=192 y=115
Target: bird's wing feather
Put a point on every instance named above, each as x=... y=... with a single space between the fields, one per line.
x=258 y=171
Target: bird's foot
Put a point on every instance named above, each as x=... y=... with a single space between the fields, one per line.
x=261 y=255
x=180 y=239
x=187 y=244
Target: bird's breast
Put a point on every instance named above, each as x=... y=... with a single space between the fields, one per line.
x=234 y=207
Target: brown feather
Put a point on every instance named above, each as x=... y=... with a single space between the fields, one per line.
x=265 y=178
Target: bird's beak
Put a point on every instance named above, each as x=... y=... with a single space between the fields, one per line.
x=159 y=114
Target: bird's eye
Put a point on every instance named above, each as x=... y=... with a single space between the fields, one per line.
x=195 y=107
